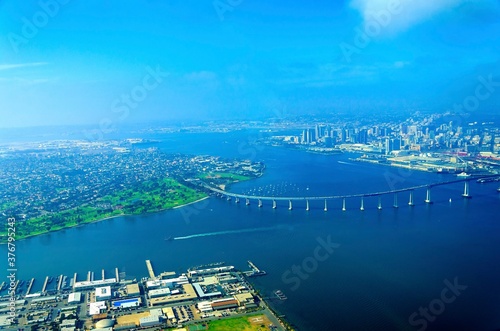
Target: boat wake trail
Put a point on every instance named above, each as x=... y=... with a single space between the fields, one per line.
x=221 y=233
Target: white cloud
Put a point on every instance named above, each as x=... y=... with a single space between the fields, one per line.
x=21 y=65
x=402 y=14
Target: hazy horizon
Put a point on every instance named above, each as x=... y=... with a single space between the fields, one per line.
x=88 y=63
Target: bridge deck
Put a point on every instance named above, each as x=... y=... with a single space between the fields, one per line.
x=360 y=195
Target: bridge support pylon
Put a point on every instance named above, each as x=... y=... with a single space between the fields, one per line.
x=379 y=203
x=260 y=203
x=428 y=196
x=247 y=202
x=237 y=200
x=466 y=190
x=395 y=205
x=343 y=204
x=362 y=208
x=326 y=206
x=274 y=204
x=410 y=203
x=290 y=205
x=307 y=205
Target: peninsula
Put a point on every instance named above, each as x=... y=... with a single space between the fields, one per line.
x=61 y=184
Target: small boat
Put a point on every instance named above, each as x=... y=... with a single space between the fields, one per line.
x=280 y=295
x=463 y=174
x=498 y=189
x=450 y=200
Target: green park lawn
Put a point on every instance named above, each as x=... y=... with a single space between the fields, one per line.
x=147 y=197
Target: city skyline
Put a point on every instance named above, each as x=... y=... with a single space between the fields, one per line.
x=67 y=62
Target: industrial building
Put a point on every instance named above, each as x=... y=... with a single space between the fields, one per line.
x=204 y=306
x=245 y=300
x=204 y=295
x=97 y=307
x=224 y=304
x=133 y=290
x=226 y=277
x=210 y=271
x=189 y=294
x=171 y=282
x=126 y=303
x=151 y=320
x=169 y=312
x=103 y=293
x=105 y=323
x=88 y=285
x=160 y=292
x=75 y=297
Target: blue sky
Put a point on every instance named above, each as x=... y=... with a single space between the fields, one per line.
x=91 y=62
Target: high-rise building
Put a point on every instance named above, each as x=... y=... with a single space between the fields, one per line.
x=387 y=146
x=362 y=136
x=344 y=135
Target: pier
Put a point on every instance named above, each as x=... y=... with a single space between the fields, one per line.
x=117 y=275
x=103 y=278
x=150 y=269
x=255 y=271
x=30 y=285
x=44 y=287
x=59 y=284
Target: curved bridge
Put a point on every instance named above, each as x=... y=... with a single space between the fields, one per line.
x=428 y=187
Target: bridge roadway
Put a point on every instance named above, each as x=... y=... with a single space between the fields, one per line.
x=359 y=195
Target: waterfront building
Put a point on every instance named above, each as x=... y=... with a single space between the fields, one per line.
x=103 y=293
x=133 y=290
x=75 y=297
x=224 y=304
x=96 y=308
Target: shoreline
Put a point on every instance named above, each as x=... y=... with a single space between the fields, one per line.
x=189 y=203
x=106 y=218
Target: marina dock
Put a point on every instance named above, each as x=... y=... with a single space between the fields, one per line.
x=60 y=283
x=44 y=287
x=30 y=285
x=150 y=269
x=255 y=270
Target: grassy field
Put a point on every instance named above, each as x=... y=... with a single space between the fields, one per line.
x=150 y=196
x=244 y=323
